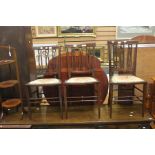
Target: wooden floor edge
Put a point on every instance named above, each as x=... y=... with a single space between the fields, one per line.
x=10 y=126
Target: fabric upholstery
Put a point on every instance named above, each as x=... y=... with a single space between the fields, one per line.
x=44 y=82
x=126 y=79
x=81 y=80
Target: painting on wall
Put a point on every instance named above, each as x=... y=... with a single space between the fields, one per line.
x=45 y=31
x=76 y=31
x=128 y=32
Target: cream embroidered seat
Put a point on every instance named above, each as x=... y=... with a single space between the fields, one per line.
x=118 y=79
x=44 y=82
x=81 y=80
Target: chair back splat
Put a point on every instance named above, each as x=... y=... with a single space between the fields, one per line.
x=122 y=57
x=43 y=55
x=80 y=59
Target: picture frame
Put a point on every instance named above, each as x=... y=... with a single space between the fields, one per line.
x=45 y=31
x=76 y=31
x=128 y=32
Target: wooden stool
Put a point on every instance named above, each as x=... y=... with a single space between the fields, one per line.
x=9 y=104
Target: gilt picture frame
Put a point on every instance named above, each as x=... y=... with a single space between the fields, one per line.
x=45 y=31
x=76 y=31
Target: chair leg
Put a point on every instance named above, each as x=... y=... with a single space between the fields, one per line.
x=98 y=101
x=37 y=92
x=99 y=110
x=29 y=110
x=144 y=98
x=60 y=99
x=22 y=115
x=28 y=102
x=65 y=101
x=110 y=98
x=2 y=113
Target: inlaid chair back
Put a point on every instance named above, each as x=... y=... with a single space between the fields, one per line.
x=122 y=60
x=45 y=53
x=122 y=57
x=80 y=59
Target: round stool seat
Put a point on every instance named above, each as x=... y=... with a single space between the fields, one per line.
x=8 y=83
x=11 y=103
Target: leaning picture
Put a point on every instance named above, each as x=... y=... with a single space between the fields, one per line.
x=127 y=32
x=76 y=31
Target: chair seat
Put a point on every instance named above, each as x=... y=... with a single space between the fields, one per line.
x=44 y=82
x=81 y=80
x=126 y=79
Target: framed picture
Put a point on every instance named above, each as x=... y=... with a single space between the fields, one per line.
x=128 y=32
x=76 y=31
x=45 y=31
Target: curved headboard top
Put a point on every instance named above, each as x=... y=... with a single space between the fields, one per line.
x=145 y=39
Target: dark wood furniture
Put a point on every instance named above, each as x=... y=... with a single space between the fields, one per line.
x=145 y=66
x=80 y=64
x=152 y=97
x=122 y=70
x=42 y=56
x=9 y=62
x=64 y=75
x=144 y=39
x=47 y=83
x=20 y=38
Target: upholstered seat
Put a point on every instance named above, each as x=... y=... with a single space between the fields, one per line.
x=44 y=82
x=81 y=80
x=118 y=79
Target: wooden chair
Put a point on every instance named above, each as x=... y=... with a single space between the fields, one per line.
x=122 y=70
x=48 y=82
x=80 y=62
